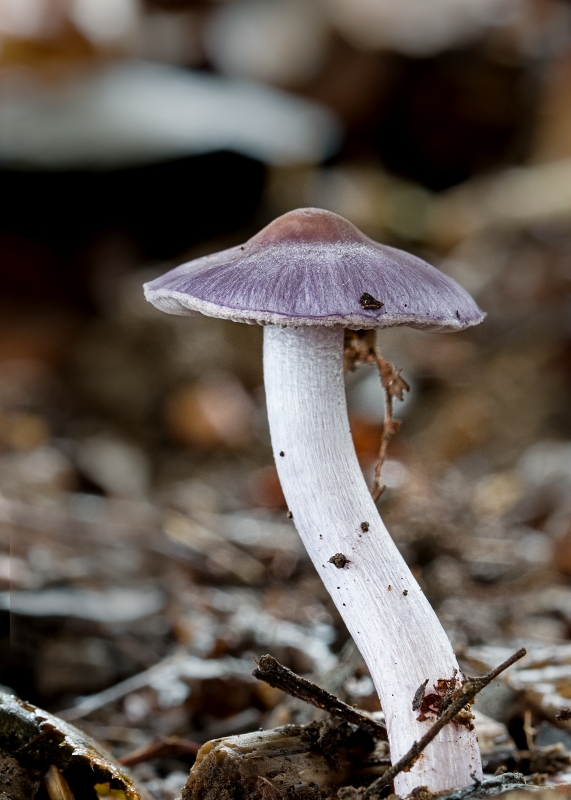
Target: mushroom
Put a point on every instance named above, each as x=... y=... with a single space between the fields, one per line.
x=127 y=113
x=306 y=277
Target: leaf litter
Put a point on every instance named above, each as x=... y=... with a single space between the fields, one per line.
x=141 y=595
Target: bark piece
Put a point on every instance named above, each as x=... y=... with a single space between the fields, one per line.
x=300 y=763
x=38 y=740
x=16 y=782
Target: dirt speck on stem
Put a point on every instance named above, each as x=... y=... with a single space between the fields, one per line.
x=418 y=695
x=339 y=560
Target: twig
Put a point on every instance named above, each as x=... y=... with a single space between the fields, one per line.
x=529 y=730
x=361 y=348
x=160 y=747
x=280 y=677
x=395 y=386
x=56 y=785
x=470 y=689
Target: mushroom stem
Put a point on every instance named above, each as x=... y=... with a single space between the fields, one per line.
x=388 y=616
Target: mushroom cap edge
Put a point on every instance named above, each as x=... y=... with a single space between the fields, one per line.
x=271 y=280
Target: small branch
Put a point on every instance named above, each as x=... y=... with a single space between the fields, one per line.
x=394 y=385
x=280 y=677
x=529 y=730
x=470 y=689
x=361 y=348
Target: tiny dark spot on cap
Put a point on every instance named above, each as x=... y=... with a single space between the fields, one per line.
x=458 y=314
x=369 y=302
x=390 y=588
x=321 y=536
x=282 y=453
x=242 y=248
x=289 y=515
x=405 y=592
x=339 y=560
x=364 y=527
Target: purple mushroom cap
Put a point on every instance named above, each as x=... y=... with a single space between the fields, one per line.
x=312 y=267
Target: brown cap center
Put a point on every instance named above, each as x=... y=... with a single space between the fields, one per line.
x=308 y=225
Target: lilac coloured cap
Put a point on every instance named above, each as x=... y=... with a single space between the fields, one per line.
x=312 y=267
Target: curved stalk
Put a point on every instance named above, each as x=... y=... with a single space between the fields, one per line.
x=388 y=616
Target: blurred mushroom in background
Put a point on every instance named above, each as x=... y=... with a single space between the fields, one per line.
x=97 y=137
x=282 y=42
x=415 y=29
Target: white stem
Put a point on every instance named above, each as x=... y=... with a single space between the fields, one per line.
x=398 y=634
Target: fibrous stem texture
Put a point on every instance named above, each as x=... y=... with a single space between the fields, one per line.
x=388 y=616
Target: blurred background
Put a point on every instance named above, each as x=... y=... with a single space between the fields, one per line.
x=144 y=526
